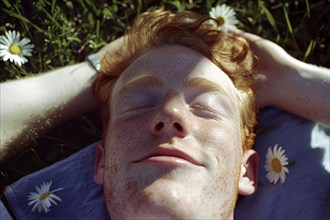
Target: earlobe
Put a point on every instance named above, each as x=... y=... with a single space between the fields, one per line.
x=99 y=164
x=249 y=173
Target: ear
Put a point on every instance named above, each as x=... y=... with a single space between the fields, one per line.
x=99 y=164
x=249 y=173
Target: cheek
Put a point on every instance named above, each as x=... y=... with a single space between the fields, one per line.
x=124 y=136
x=124 y=140
x=121 y=142
x=223 y=144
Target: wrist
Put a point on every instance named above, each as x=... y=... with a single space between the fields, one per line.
x=94 y=61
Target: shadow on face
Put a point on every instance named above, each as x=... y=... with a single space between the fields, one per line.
x=173 y=147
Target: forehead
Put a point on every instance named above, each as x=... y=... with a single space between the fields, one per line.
x=174 y=65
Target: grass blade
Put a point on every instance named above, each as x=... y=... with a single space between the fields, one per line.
x=23 y=19
x=269 y=16
x=286 y=16
x=310 y=48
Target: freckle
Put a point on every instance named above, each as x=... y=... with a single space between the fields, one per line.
x=130 y=185
x=146 y=194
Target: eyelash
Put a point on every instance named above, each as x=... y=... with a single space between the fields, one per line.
x=203 y=108
x=139 y=108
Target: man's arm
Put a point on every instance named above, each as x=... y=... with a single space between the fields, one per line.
x=289 y=84
x=32 y=105
x=304 y=91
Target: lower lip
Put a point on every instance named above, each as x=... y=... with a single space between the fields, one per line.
x=167 y=160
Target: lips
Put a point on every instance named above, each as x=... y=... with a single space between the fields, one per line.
x=164 y=153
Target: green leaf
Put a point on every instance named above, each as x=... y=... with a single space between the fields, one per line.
x=8 y=5
x=91 y=20
x=74 y=39
x=97 y=29
x=269 y=16
x=286 y=16
x=308 y=9
x=106 y=12
x=310 y=48
x=22 y=18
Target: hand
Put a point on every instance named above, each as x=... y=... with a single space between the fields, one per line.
x=273 y=64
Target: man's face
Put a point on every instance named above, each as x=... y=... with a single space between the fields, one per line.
x=173 y=146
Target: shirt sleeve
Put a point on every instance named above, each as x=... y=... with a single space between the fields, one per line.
x=4 y=214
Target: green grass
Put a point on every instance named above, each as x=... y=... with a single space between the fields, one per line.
x=65 y=32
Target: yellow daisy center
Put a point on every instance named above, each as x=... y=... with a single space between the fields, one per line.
x=276 y=165
x=220 y=20
x=45 y=195
x=15 y=49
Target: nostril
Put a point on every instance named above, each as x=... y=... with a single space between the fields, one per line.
x=178 y=126
x=159 y=126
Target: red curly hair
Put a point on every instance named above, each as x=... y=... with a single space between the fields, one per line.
x=154 y=29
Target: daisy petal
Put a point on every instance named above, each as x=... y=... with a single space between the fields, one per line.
x=16 y=50
x=224 y=15
x=43 y=198
x=275 y=163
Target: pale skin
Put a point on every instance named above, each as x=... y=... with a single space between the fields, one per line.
x=33 y=105
x=26 y=110
x=288 y=83
x=172 y=149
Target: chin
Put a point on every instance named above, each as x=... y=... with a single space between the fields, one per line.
x=168 y=208
x=147 y=210
x=155 y=213
x=156 y=204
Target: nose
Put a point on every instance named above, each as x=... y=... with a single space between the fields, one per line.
x=170 y=119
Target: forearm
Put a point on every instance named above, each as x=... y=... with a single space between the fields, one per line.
x=33 y=105
x=304 y=91
x=287 y=83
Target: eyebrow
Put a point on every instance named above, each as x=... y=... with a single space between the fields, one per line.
x=140 y=81
x=202 y=83
x=205 y=84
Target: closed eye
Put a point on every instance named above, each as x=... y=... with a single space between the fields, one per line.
x=203 y=110
x=139 y=109
x=137 y=101
x=201 y=107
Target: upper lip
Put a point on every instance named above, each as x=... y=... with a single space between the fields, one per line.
x=169 y=152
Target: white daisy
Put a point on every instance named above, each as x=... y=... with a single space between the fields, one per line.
x=15 y=49
x=224 y=15
x=275 y=165
x=43 y=198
